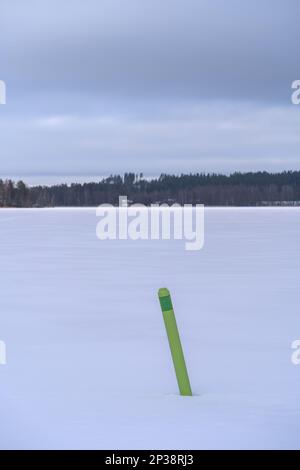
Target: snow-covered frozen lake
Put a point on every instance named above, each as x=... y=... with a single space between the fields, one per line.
x=88 y=363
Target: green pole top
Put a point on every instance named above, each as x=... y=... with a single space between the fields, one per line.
x=165 y=300
x=163 y=292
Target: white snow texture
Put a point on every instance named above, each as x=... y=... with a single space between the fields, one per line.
x=88 y=362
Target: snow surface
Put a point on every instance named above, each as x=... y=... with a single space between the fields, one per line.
x=88 y=364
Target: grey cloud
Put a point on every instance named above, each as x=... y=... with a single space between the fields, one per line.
x=106 y=86
x=204 y=138
x=185 y=49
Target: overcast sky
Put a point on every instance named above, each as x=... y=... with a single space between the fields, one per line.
x=106 y=86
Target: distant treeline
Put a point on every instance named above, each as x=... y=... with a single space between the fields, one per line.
x=237 y=189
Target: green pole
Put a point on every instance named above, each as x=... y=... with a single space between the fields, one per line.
x=174 y=342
